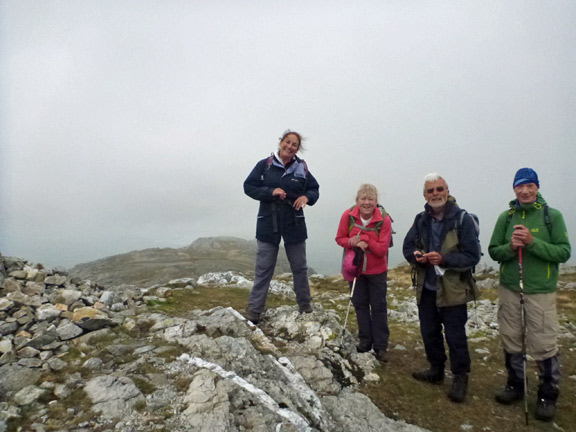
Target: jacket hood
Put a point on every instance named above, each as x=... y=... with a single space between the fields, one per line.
x=539 y=203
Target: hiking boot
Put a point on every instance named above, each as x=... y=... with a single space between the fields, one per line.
x=381 y=356
x=363 y=347
x=434 y=375
x=545 y=409
x=459 y=388
x=307 y=308
x=510 y=394
x=253 y=316
x=546 y=403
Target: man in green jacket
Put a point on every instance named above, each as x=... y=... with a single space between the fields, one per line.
x=537 y=234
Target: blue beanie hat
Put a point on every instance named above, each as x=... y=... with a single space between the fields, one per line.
x=525 y=175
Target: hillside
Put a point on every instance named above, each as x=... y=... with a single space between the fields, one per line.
x=157 y=265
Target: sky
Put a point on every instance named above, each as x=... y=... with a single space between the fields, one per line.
x=132 y=124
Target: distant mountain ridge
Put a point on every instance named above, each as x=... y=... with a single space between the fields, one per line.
x=159 y=265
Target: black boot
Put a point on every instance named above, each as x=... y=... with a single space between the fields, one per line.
x=514 y=389
x=252 y=316
x=459 y=388
x=512 y=392
x=434 y=375
x=549 y=375
x=546 y=403
x=364 y=346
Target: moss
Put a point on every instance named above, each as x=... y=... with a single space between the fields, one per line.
x=145 y=386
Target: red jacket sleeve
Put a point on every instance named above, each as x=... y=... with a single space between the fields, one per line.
x=343 y=236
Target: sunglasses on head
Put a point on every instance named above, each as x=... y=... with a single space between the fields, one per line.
x=438 y=189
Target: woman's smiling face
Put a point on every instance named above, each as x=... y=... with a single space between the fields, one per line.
x=366 y=204
x=289 y=146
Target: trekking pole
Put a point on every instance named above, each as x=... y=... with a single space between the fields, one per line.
x=358 y=258
x=348 y=312
x=523 y=318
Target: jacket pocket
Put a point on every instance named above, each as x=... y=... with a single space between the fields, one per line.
x=453 y=289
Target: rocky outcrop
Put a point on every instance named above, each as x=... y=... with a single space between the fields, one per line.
x=79 y=356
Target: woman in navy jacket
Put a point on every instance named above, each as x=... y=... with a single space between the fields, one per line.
x=284 y=186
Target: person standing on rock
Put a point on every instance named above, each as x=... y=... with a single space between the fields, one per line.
x=365 y=227
x=535 y=233
x=442 y=247
x=284 y=186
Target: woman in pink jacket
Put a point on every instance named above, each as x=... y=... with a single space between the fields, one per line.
x=366 y=228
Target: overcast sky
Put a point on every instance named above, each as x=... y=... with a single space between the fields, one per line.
x=128 y=125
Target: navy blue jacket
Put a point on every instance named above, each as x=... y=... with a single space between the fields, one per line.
x=277 y=218
x=459 y=249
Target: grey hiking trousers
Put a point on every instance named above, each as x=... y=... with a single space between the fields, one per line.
x=266 y=257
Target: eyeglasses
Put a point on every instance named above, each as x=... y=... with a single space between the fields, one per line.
x=438 y=189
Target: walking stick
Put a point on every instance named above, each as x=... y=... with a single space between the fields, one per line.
x=348 y=311
x=358 y=261
x=523 y=317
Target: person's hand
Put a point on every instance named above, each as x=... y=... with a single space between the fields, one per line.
x=420 y=257
x=279 y=192
x=520 y=237
x=362 y=245
x=353 y=241
x=301 y=202
x=433 y=258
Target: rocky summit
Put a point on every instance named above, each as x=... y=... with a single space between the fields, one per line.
x=79 y=356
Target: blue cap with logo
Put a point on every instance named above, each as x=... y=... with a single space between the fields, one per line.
x=524 y=176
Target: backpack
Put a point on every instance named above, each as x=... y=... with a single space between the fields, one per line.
x=352 y=223
x=476 y=222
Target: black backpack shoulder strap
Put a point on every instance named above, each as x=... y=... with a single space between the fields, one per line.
x=547 y=219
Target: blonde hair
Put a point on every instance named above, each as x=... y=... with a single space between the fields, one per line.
x=367 y=189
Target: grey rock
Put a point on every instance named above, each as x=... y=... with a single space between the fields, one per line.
x=56 y=279
x=10 y=285
x=28 y=395
x=44 y=339
x=113 y=396
x=14 y=378
x=93 y=363
x=28 y=352
x=33 y=288
x=65 y=296
x=6 y=345
x=5 y=304
x=57 y=364
x=7 y=328
x=68 y=330
x=30 y=362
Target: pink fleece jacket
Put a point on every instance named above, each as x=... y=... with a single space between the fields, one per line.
x=377 y=252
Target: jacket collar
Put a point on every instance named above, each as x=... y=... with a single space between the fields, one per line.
x=376 y=217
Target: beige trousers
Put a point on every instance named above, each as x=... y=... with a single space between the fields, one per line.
x=541 y=323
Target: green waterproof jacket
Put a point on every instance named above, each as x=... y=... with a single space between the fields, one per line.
x=541 y=258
